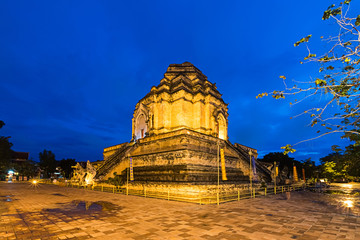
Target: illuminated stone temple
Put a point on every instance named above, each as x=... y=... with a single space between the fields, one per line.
x=177 y=131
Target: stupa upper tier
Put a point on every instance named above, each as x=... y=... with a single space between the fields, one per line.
x=184 y=99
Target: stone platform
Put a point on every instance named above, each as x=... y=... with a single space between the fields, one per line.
x=183 y=157
x=52 y=212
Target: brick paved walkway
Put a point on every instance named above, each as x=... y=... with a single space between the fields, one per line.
x=52 y=212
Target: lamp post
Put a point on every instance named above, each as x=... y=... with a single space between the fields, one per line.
x=250 y=173
x=127 y=177
x=218 y=168
x=275 y=175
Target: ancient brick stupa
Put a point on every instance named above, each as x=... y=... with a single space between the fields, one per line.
x=177 y=131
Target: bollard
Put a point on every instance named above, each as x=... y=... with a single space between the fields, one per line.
x=254 y=193
x=275 y=190
x=238 y=195
x=217 y=198
x=265 y=192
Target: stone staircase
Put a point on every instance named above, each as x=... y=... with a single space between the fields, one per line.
x=113 y=160
x=242 y=152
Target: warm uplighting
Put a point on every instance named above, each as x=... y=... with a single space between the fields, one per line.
x=87 y=181
x=349 y=203
x=347 y=186
x=34 y=183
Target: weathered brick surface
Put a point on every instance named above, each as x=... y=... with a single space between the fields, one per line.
x=52 y=212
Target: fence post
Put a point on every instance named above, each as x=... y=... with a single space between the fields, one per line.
x=238 y=195
x=265 y=191
x=217 y=198
x=275 y=190
x=254 y=193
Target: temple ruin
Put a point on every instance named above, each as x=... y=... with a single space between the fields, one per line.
x=178 y=129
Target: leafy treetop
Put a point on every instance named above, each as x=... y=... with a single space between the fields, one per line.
x=338 y=81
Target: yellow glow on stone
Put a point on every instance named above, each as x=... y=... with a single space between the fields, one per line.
x=347 y=185
x=88 y=180
x=348 y=203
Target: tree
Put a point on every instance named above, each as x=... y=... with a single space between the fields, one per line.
x=284 y=162
x=329 y=170
x=47 y=162
x=332 y=157
x=338 y=80
x=310 y=168
x=5 y=152
x=352 y=158
x=333 y=166
x=26 y=168
x=343 y=164
x=66 y=166
x=280 y=158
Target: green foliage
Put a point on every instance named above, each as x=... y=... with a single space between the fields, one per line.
x=336 y=148
x=320 y=82
x=357 y=22
x=329 y=171
x=337 y=83
x=342 y=165
x=26 y=168
x=303 y=40
x=286 y=163
x=332 y=12
x=310 y=56
x=288 y=149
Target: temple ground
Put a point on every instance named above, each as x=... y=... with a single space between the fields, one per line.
x=52 y=212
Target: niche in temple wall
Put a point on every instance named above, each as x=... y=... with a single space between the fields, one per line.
x=140 y=122
x=221 y=126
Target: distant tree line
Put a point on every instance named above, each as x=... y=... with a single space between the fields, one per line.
x=47 y=163
x=341 y=165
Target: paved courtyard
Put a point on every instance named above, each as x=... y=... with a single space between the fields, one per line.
x=52 y=212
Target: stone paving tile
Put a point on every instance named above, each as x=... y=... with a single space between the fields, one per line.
x=52 y=212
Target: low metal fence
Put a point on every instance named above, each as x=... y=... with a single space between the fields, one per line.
x=194 y=197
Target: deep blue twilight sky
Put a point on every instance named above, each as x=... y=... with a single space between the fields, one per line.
x=71 y=72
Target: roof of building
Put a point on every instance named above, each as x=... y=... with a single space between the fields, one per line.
x=20 y=156
x=187 y=77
